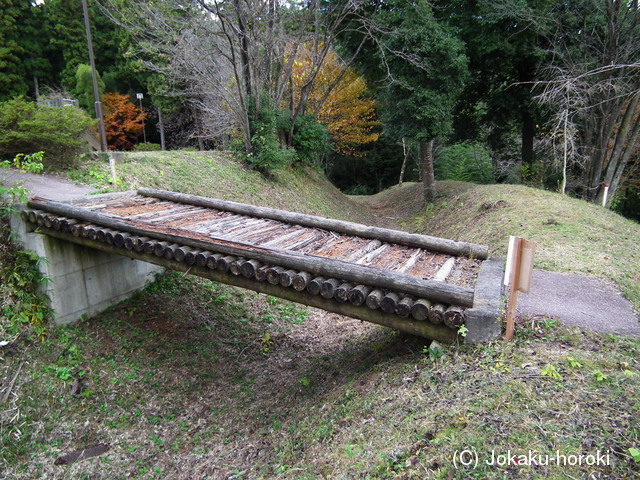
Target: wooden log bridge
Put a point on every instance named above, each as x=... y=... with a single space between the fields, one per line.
x=419 y=284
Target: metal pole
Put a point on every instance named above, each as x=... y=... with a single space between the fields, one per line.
x=94 y=75
x=144 y=133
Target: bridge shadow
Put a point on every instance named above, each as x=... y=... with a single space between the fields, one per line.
x=228 y=367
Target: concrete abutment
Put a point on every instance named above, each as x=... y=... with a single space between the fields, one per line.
x=82 y=281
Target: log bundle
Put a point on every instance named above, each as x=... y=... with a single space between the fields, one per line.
x=282 y=249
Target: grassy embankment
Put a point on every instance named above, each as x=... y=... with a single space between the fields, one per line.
x=192 y=379
x=572 y=235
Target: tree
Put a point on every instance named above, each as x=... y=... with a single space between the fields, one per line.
x=84 y=88
x=234 y=58
x=68 y=40
x=505 y=48
x=123 y=121
x=420 y=68
x=12 y=81
x=595 y=79
x=338 y=100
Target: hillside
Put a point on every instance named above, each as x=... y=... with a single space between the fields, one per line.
x=220 y=175
x=572 y=235
x=194 y=379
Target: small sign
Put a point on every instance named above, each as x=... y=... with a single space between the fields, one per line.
x=139 y=96
x=528 y=249
x=518 y=273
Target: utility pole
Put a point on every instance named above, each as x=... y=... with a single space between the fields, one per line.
x=94 y=75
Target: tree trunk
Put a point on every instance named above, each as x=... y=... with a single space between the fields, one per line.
x=626 y=137
x=528 y=132
x=405 y=150
x=163 y=145
x=617 y=178
x=244 y=49
x=426 y=166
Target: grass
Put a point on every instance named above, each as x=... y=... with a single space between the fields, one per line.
x=178 y=381
x=571 y=235
x=194 y=379
x=220 y=175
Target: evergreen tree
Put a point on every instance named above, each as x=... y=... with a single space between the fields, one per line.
x=12 y=77
x=505 y=49
x=84 y=88
x=420 y=68
x=68 y=37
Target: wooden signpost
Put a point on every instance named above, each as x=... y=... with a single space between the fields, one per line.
x=517 y=276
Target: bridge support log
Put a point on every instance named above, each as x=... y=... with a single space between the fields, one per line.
x=423 y=329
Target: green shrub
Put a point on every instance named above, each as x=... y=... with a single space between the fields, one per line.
x=267 y=152
x=465 y=162
x=310 y=139
x=274 y=144
x=58 y=131
x=147 y=147
x=16 y=193
x=627 y=203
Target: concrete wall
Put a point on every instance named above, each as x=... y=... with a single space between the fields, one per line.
x=484 y=320
x=82 y=281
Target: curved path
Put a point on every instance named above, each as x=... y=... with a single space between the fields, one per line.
x=54 y=187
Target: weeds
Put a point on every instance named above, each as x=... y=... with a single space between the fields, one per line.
x=24 y=307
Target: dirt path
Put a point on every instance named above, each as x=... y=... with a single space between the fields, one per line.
x=54 y=187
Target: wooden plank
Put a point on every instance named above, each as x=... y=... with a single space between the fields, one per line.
x=260 y=231
x=150 y=215
x=369 y=257
x=444 y=271
x=331 y=268
x=302 y=243
x=175 y=215
x=251 y=226
x=393 y=236
x=369 y=247
x=409 y=264
x=278 y=241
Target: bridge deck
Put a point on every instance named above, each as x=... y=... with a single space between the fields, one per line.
x=362 y=271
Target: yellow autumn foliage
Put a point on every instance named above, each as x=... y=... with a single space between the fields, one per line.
x=338 y=103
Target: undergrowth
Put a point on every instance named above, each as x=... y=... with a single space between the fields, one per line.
x=192 y=379
x=24 y=307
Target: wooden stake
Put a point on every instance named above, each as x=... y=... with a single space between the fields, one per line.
x=514 y=278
